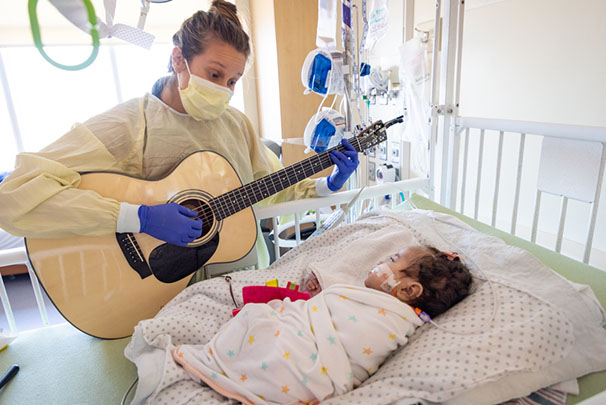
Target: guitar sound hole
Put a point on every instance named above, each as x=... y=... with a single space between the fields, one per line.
x=205 y=213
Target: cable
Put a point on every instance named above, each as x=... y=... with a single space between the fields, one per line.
x=123 y=402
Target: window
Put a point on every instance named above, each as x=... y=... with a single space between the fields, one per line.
x=48 y=101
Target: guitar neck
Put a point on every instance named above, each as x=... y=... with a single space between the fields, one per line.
x=240 y=198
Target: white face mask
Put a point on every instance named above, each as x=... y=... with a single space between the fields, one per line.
x=203 y=99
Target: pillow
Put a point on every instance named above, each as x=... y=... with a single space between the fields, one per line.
x=579 y=303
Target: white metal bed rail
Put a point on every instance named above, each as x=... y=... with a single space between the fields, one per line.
x=9 y=257
x=523 y=129
x=302 y=206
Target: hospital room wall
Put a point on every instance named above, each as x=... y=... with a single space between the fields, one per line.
x=284 y=32
x=539 y=60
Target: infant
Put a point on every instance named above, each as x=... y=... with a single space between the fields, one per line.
x=308 y=351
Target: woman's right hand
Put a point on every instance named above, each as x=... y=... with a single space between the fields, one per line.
x=171 y=223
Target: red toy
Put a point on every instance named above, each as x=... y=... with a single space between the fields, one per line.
x=262 y=294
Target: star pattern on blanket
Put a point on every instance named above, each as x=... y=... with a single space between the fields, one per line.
x=277 y=333
x=286 y=355
x=382 y=312
x=243 y=377
x=263 y=366
x=391 y=336
x=324 y=370
x=285 y=389
x=353 y=319
x=251 y=339
x=314 y=308
x=332 y=340
x=367 y=350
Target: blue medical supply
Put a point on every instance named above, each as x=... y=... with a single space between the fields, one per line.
x=364 y=69
x=171 y=223
x=322 y=134
x=346 y=163
x=319 y=73
x=4 y=175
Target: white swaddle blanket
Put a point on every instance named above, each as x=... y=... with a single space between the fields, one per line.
x=284 y=352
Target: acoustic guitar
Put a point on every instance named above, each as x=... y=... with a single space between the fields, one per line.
x=105 y=285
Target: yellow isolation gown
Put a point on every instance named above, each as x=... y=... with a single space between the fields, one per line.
x=143 y=138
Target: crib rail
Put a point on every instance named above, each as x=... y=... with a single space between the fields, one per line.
x=9 y=257
x=483 y=130
x=302 y=206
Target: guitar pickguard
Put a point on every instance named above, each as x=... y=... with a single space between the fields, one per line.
x=170 y=263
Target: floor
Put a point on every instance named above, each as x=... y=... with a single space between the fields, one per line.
x=23 y=303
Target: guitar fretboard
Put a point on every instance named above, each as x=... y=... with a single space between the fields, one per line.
x=240 y=198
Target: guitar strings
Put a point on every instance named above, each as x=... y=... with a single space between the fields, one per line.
x=290 y=175
x=206 y=211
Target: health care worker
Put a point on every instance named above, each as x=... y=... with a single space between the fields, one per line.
x=147 y=138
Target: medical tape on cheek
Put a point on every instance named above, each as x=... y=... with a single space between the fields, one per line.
x=383 y=272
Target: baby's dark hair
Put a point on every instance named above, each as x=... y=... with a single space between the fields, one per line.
x=445 y=280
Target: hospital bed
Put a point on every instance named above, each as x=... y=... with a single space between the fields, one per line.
x=61 y=365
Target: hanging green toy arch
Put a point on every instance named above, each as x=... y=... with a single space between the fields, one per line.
x=32 y=6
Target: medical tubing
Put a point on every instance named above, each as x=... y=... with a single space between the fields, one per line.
x=123 y=402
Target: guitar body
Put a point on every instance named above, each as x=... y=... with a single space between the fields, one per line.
x=105 y=285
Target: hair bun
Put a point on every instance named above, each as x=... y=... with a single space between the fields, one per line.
x=227 y=10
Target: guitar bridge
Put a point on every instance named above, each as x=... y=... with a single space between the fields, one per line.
x=133 y=254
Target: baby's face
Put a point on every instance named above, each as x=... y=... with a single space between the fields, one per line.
x=396 y=263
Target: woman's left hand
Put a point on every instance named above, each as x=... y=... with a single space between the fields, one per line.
x=346 y=163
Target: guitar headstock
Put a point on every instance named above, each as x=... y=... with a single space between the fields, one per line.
x=373 y=134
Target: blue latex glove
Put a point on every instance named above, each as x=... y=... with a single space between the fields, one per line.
x=4 y=175
x=171 y=223
x=346 y=163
